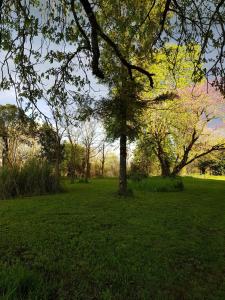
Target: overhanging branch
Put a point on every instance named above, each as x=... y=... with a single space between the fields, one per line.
x=97 y=31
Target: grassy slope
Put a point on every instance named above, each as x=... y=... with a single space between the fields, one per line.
x=89 y=244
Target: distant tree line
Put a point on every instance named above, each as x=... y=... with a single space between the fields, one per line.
x=31 y=150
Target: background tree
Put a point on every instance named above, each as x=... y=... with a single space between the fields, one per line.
x=89 y=140
x=178 y=131
x=51 y=147
x=72 y=166
x=103 y=151
x=213 y=164
x=15 y=129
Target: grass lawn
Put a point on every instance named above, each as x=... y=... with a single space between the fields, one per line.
x=89 y=244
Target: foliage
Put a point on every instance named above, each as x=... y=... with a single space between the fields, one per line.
x=73 y=164
x=122 y=109
x=215 y=165
x=144 y=159
x=15 y=130
x=88 y=243
x=180 y=131
x=14 y=117
x=137 y=172
x=50 y=143
x=174 y=67
x=158 y=184
x=35 y=177
x=134 y=28
x=103 y=35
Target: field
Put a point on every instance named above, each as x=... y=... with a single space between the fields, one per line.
x=87 y=243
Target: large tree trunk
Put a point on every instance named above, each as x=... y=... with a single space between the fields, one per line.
x=123 y=165
x=164 y=161
x=165 y=168
x=123 y=148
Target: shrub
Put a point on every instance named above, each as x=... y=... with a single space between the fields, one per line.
x=158 y=184
x=136 y=174
x=35 y=177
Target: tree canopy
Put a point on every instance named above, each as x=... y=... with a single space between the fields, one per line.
x=180 y=131
x=92 y=27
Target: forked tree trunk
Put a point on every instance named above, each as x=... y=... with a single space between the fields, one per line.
x=164 y=161
x=176 y=171
x=165 y=168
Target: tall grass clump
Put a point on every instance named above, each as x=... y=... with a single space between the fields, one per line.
x=158 y=184
x=35 y=177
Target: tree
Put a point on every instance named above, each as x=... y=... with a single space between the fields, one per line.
x=122 y=111
x=178 y=131
x=15 y=128
x=51 y=147
x=121 y=118
x=103 y=155
x=214 y=164
x=84 y=23
x=73 y=140
x=89 y=134
x=143 y=28
x=144 y=161
x=72 y=160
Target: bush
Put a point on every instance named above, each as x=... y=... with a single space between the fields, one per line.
x=159 y=184
x=137 y=176
x=136 y=173
x=35 y=177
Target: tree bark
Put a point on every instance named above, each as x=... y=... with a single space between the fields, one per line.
x=123 y=165
x=177 y=170
x=165 y=169
x=164 y=161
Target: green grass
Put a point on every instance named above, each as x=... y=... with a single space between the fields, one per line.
x=90 y=244
x=157 y=184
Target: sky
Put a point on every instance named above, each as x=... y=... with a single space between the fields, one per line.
x=97 y=90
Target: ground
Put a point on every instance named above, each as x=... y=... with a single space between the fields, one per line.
x=87 y=243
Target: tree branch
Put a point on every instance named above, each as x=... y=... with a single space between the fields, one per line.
x=218 y=147
x=97 y=31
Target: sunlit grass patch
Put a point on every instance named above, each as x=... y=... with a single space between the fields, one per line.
x=207 y=176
